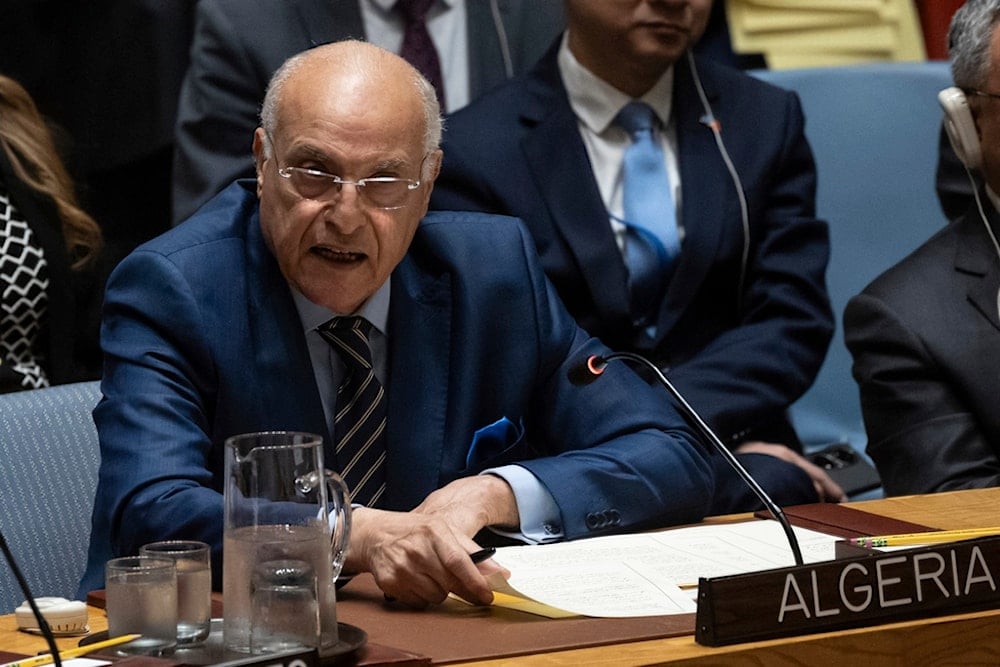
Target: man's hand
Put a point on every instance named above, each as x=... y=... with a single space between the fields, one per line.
x=826 y=488
x=471 y=503
x=419 y=557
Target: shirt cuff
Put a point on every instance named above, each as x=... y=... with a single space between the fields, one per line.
x=540 y=518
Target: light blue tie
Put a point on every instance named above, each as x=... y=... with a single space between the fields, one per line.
x=651 y=241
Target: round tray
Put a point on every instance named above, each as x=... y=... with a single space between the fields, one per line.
x=350 y=638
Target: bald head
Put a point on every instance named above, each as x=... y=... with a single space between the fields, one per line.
x=357 y=75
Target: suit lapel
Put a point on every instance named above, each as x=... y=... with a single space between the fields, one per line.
x=708 y=203
x=281 y=358
x=559 y=162
x=419 y=335
x=976 y=261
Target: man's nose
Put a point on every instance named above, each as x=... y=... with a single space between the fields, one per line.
x=345 y=208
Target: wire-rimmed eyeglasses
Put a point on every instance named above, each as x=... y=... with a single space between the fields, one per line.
x=385 y=192
x=981 y=93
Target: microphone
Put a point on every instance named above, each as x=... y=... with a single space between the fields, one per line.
x=43 y=625
x=594 y=366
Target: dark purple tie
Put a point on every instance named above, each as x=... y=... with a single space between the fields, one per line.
x=418 y=49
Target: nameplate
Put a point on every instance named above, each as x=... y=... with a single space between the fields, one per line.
x=937 y=580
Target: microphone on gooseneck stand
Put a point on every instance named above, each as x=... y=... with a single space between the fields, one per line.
x=43 y=625
x=594 y=366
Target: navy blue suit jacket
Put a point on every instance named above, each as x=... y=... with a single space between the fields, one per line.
x=203 y=341
x=740 y=358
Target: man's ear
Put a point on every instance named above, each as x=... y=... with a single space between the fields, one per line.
x=433 y=165
x=259 y=158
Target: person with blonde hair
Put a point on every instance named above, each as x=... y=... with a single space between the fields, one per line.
x=50 y=257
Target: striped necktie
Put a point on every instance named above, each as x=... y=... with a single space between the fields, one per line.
x=359 y=424
x=651 y=242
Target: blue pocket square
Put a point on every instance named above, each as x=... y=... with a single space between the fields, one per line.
x=492 y=440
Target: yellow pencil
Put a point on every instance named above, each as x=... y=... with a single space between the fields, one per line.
x=932 y=537
x=46 y=658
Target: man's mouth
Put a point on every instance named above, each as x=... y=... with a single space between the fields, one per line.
x=337 y=256
x=666 y=27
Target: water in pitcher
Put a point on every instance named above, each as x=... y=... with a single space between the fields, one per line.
x=245 y=547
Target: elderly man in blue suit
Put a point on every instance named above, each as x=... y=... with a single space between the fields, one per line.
x=738 y=314
x=217 y=328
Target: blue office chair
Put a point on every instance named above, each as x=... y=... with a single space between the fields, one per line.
x=48 y=476
x=874 y=131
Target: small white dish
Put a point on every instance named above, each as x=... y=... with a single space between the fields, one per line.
x=65 y=617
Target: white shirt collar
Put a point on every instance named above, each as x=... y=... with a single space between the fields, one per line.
x=596 y=102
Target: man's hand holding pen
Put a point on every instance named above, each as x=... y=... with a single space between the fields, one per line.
x=419 y=557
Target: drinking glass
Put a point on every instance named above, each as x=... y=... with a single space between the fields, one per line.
x=284 y=606
x=141 y=597
x=194 y=586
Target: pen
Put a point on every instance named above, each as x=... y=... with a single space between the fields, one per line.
x=46 y=658
x=932 y=537
x=482 y=554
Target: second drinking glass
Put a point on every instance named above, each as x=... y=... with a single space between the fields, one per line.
x=194 y=586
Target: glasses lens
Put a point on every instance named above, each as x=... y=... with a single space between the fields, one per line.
x=310 y=184
x=379 y=191
x=385 y=193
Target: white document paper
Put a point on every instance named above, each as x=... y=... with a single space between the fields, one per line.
x=642 y=574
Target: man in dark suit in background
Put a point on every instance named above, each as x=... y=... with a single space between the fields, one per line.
x=221 y=326
x=925 y=335
x=238 y=44
x=742 y=324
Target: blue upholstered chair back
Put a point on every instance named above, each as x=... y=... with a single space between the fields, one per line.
x=874 y=132
x=49 y=457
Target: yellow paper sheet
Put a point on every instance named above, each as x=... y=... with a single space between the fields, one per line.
x=797 y=60
x=812 y=33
